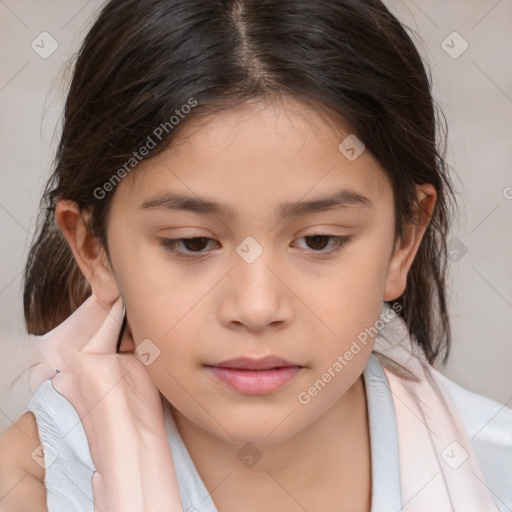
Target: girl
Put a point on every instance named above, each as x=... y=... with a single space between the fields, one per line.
x=240 y=275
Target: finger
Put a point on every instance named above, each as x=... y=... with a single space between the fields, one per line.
x=74 y=332
x=105 y=339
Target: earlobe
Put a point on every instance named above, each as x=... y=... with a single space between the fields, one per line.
x=407 y=248
x=87 y=250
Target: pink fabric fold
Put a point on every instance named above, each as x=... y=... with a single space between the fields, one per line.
x=439 y=471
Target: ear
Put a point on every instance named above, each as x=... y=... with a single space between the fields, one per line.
x=406 y=249
x=89 y=254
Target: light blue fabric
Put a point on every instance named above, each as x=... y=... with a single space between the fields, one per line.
x=69 y=467
x=383 y=439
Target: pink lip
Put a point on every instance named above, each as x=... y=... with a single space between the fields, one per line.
x=255 y=382
x=254 y=363
x=255 y=376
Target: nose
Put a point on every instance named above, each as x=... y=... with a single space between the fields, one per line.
x=255 y=296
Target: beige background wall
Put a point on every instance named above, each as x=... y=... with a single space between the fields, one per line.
x=475 y=91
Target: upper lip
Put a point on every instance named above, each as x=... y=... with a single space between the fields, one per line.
x=248 y=363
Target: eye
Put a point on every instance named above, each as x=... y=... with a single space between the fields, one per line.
x=194 y=245
x=319 y=241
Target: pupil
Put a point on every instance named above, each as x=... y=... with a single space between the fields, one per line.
x=316 y=238
x=191 y=242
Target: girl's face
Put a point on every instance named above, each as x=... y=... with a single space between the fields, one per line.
x=253 y=187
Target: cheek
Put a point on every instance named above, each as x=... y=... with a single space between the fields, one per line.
x=351 y=294
x=168 y=325
x=346 y=351
x=349 y=305
x=169 y=321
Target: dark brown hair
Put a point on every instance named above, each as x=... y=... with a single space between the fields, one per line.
x=351 y=59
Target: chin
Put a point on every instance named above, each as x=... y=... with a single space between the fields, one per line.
x=258 y=429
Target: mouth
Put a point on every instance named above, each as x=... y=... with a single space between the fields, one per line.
x=252 y=376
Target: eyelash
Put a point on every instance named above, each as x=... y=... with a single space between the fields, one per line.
x=170 y=244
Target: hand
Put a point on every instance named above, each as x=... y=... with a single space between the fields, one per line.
x=119 y=406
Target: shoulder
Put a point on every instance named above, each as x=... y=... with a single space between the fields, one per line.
x=22 y=467
x=484 y=418
x=60 y=431
x=488 y=424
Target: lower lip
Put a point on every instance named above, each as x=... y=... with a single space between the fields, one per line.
x=255 y=382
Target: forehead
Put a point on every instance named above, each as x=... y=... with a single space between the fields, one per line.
x=257 y=156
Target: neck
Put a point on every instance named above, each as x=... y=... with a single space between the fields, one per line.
x=330 y=455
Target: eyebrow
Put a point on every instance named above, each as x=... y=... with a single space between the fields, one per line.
x=340 y=199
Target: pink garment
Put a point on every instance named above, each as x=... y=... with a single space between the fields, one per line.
x=438 y=470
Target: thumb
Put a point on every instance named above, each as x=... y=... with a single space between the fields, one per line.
x=39 y=374
x=104 y=340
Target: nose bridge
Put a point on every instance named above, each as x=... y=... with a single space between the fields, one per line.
x=257 y=294
x=252 y=264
